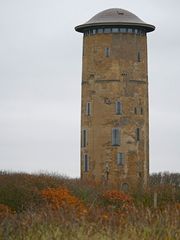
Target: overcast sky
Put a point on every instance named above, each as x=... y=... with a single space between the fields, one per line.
x=40 y=82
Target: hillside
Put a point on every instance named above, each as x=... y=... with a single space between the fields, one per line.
x=48 y=206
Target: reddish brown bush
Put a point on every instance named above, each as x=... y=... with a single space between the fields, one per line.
x=117 y=199
x=5 y=211
x=61 y=198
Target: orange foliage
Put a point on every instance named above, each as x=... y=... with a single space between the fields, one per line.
x=118 y=198
x=61 y=198
x=5 y=211
x=177 y=206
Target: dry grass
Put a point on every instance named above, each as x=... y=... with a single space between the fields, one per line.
x=52 y=207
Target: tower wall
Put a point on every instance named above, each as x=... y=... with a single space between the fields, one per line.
x=115 y=70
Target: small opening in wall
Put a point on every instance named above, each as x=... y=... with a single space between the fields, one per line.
x=86 y=163
x=91 y=76
x=137 y=134
x=118 y=107
x=135 y=110
x=120 y=13
x=88 y=108
x=115 y=137
x=107 y=52
x=139 y=57
x=125 y=187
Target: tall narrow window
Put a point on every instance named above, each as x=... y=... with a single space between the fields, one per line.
x=88 y=108
x=118 y=108
x=138 y=57
x=115 y=136
x=84 y=138
x=120 y=158
x=86 y=163
x=107 y=52
x=141 y=111
x=135 y=110
x=137 y=134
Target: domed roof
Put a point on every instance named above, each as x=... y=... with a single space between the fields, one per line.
x=115 y=17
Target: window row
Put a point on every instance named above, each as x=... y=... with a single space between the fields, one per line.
x=118 y=109
x=120 y=160
x=114 y=30
x=138 y=110
x=107 y=54
x=116 y=136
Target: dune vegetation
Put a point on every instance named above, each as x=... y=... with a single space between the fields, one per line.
x=49 y=206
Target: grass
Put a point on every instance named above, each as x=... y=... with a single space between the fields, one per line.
x=49 y=207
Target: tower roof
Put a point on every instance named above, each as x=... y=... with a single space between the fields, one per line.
x=115 y=17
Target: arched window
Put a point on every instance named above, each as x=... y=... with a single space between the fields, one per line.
x=125 y=187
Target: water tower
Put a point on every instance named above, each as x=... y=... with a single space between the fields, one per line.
x=114 y=111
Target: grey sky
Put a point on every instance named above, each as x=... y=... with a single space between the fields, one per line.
x=40 y=81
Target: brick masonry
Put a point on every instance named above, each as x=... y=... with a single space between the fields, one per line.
x=121 y=76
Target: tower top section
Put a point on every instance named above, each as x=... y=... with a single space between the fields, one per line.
x=115 y=17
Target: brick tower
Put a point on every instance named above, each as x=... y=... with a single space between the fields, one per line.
x=114 y=111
